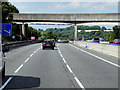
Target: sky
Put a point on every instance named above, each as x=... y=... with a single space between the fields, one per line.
x=65 y=7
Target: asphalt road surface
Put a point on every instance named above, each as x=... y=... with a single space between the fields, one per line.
x=68 y=66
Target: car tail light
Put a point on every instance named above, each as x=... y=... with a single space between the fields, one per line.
x=43 y=43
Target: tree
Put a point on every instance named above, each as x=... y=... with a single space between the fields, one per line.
x=7 y=12
x=7 y=16
x=103 y=28
x=116 y=33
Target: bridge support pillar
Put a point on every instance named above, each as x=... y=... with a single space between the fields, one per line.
x=19 y=28
x=75 y=32
x=24 y=31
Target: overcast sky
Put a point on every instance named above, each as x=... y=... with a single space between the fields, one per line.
x=66 y=7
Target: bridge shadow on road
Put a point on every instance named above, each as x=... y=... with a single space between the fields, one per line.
x=23 y=82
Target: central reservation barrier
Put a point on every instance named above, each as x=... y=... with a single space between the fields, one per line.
x=109 y=49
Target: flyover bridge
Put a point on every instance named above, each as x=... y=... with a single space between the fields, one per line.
x=73 y=19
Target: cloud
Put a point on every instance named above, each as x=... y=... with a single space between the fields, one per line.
x=64 y=5
x=74 y=4
x=67 y=7
x=107 y=7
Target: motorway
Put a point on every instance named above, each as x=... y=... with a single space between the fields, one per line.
x=68 y=66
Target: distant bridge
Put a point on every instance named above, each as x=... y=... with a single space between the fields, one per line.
x=65 y=18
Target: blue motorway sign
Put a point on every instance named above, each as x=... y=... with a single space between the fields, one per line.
x=101 y=37
x=6 y=29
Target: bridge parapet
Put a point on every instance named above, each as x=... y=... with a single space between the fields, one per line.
x=109 y=17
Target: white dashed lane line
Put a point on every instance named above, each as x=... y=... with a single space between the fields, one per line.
x=31 y=55
x=19 y=68
x=16 y=71
x=70 y=70
x=79 y=83
x=64 y=61
x=27 y=60
x=61 y=55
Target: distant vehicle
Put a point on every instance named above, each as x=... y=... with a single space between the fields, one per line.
x=59 y=41
x=96 y=40
x=48 y=43
x=116 y=41
x=64 y=41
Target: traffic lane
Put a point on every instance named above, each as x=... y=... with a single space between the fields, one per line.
x=100 y=54
x=47 y=66
x=15 y=57
x=92 y=72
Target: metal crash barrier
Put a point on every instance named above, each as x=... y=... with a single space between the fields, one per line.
x=11 y=45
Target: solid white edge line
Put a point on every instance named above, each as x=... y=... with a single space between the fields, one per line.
x=27 y=60
x=4 y=85
x=69 y=68
x=98 y=57
x=79 y=83
x=19 y=68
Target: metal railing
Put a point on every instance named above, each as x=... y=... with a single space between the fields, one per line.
x=11 y=45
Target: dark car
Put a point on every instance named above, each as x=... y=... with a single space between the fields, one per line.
x=48 y=43
x=96 y=40
x=53 y=40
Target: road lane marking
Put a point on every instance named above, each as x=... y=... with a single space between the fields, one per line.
x=27 y=60
x=35 y=51
x=19 y=68
x=59 y=52
x=31 y=55
x=79 y=83
x=69 y=68
x=61 y=55
x=64 y=61
x=4 y=85
x=107 y=61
